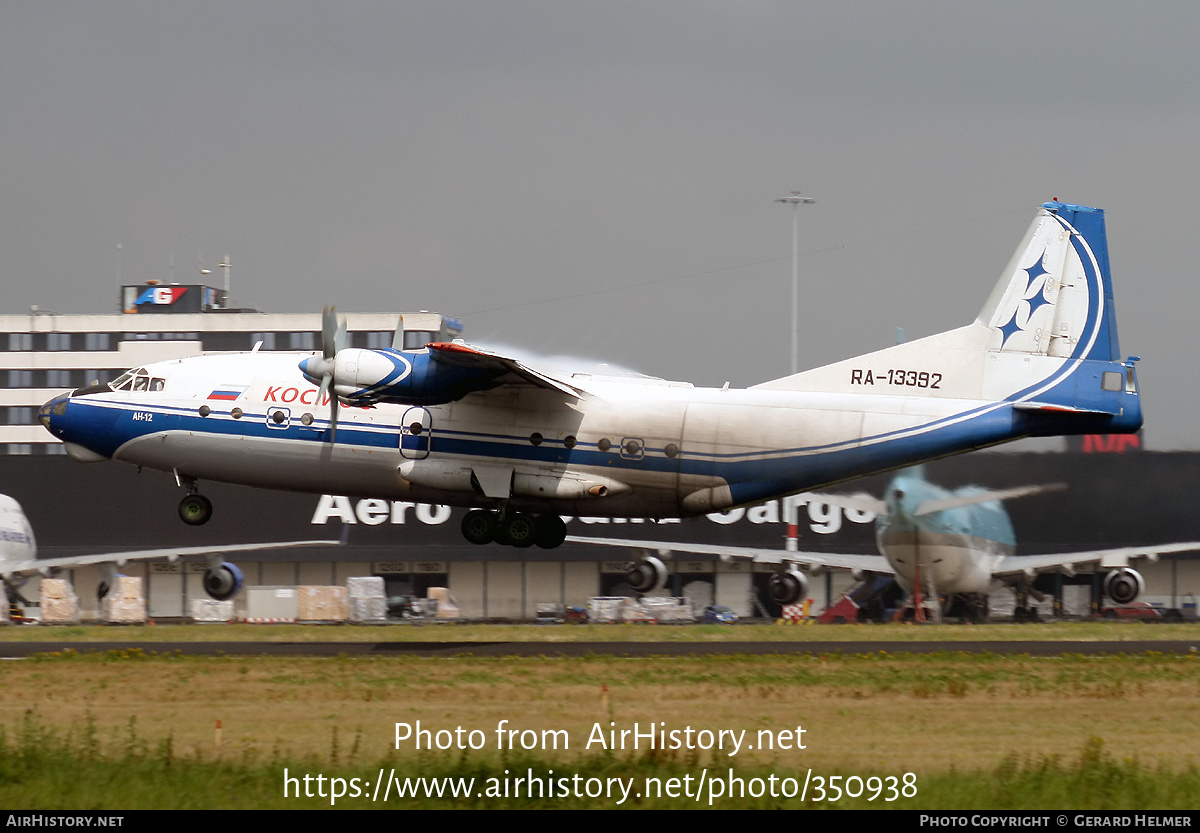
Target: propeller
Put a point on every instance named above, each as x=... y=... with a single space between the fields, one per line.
x=333 y=339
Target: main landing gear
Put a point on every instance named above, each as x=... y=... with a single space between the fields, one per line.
x=516 y=529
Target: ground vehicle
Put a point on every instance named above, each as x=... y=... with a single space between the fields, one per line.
x=719 y=615
x=1134 y=611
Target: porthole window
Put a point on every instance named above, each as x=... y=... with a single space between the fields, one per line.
x=415 y=429
x=604 y=444
x=633 y=448
x=236 y=413
x=278 y=417
x=671 y=450
x=205 y=410
x=569 y=441
x=306 y=419
x=535 y=438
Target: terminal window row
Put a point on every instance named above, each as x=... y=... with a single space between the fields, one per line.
x=285 y=340
x=56 y=378
x=46 y=449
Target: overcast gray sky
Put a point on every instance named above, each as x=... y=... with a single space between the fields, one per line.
x=596 y=179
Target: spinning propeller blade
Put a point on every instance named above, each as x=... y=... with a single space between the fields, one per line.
x=333 y=339
x=329 y=330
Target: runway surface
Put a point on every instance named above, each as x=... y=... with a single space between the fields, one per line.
x=17 y=650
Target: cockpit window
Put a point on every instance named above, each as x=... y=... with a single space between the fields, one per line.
x=138 y=379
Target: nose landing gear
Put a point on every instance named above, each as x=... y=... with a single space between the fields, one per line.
x=195 y=509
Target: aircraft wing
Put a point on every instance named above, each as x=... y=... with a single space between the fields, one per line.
x=870 y=563
x=461 y=355
x=1119 y=557
x=45 y=565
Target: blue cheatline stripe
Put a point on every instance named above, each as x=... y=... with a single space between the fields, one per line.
x=476 y=443
x=500 y=445
x=962 y=433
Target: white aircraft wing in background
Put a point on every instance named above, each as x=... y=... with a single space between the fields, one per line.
x=871 y=563
x=45 y=566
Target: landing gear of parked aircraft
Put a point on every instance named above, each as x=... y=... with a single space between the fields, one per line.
x=514 y=529
x=195 y=510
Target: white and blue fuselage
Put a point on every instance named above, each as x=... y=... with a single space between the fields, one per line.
x=1041 y=359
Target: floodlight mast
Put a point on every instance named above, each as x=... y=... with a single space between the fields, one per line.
x=795 y=201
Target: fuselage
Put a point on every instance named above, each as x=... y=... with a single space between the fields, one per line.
x=16 y=535
x=635 y=446
x=954 y=550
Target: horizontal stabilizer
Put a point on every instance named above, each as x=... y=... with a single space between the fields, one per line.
x=1051 y=408
x=928 y=507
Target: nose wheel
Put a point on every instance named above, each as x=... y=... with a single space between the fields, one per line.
x=195 y=510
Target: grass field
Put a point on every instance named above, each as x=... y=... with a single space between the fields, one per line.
x=127 y=729
x=1071 y=631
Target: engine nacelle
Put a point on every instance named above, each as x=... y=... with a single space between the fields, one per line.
x=1123 y=586
x=788 y=587
x=646 y=575
x=366 y=377
x=223 y=582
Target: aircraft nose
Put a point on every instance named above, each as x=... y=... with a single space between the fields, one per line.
x=56 y=407
x=86 y=438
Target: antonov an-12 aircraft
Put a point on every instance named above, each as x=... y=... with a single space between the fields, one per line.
x=454 y=424
x=959 y=544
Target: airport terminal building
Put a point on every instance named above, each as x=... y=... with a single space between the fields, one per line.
x=1118 y=495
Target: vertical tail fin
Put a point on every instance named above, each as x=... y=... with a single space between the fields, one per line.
x=1045 y=341
x=1055 y=296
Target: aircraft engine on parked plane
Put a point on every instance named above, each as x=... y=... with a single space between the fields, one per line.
x=788 y=588
x=1124 y=586
x=223 y=581
x=648 y=574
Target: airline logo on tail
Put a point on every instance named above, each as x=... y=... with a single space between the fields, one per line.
x=1031 y=300
x=1057 y=287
